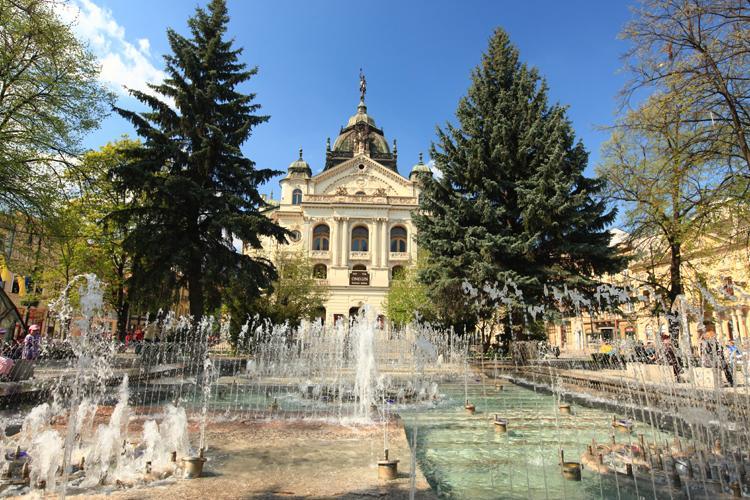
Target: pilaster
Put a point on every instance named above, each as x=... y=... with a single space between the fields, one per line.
x=344 y=255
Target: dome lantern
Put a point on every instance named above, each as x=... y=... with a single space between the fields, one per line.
x=299 y=167
x=419 y=168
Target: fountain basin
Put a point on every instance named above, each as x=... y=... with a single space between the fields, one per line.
x=193 y=467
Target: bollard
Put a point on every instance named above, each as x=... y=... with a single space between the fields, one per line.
x=387 y=469
x=736 y=490
x=501 y=424
x=571 y=471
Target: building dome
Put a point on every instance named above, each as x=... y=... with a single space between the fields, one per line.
x=420 y=168
x=299 y=167
x=361 y=116
x=361 y=136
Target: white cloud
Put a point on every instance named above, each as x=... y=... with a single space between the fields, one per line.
x=144 y=45
x=123 y=63
x=436 y=172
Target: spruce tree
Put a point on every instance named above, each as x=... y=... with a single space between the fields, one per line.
x=193 y=189
x=512 y=202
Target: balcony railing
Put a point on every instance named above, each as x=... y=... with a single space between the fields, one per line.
x=399 y=256
x=367 y=199
x=359 y=255
x=320 y=254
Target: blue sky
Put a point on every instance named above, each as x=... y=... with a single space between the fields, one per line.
x=417 y=56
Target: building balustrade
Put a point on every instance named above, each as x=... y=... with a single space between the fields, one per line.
x=359 y=255
x=366 y=199
x=398 y=256
x=320 y=254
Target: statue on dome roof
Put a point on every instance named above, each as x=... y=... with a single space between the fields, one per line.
x=362 y=85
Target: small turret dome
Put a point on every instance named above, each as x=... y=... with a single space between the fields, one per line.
x=420 y=168
x=299 y=167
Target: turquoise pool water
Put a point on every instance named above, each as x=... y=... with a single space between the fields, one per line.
x=463 y=456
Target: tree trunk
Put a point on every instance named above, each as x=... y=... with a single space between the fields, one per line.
x=123 y=311
x=195 y=290
x=122 y=303
x=675 y=289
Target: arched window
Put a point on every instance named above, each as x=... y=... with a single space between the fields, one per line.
x=397 y=273
x=398 y=239
x=359 y=193
x=297 y=197
x=360 y=239
x=359 y=267
x=320 y=271
x=321 y=235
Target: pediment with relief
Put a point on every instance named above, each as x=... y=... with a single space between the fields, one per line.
x=361 y=175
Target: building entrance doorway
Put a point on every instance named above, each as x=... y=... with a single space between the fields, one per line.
x=353 y=313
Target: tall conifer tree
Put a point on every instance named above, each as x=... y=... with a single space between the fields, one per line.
x=194 y=190
x=512 y=202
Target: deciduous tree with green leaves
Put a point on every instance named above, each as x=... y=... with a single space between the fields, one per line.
x=656 y=167
x=50 y=97
x=697 y=52
x=101 y=249
x=513 y=202
x=195 y=190
x=296 y=295
x=408 y=298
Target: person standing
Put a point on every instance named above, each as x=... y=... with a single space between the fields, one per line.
x=713 y=355
x=670 y=356
x=31 y=343
x=734 y=354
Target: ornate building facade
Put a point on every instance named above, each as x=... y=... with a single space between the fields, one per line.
x=353 y=219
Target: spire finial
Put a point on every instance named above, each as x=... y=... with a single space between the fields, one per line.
x=328 y=144
x=362 y=85
x=300 y=153
x=420 y=157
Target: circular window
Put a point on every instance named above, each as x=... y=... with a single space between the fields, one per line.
x=296 y=235
x=361 y=166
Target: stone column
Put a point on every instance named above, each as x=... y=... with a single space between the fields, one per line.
x=385 y=242
x=333 y=243
x=344 y=257
x=375 y=241
x=307 y=235
x=739 y=333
